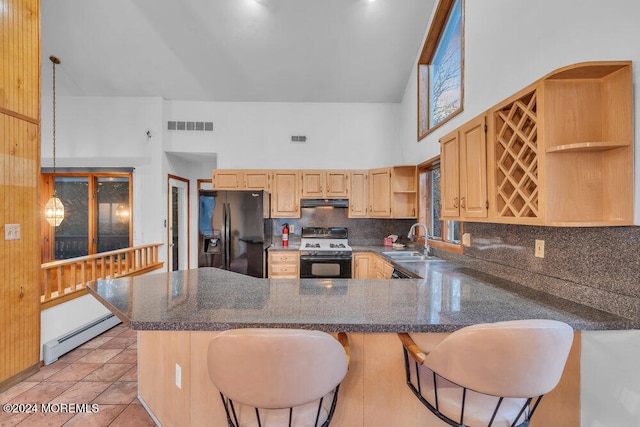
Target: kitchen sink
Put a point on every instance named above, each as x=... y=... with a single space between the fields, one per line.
x=404 y=256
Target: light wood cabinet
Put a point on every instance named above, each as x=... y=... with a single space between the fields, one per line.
x=284 y=264
x=241 y=179
x=557 y=153
x=362 y=265
x=226 y=179
x=381 y=268
x=257 y=180
x=404 y=191
x=380 y=193
x=358 y=194
x=323 y=184
x=562 y=149
x=285 y=198
x=463 y=162
x=393 y=192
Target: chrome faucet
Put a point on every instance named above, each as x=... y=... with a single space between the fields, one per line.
x=412 y=234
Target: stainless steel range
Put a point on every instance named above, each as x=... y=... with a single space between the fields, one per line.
x=325 y=253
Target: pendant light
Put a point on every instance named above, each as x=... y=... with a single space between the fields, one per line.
x=54 y=209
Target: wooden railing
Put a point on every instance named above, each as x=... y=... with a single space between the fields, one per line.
x=67 y=279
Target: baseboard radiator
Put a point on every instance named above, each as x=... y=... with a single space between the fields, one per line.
x=53 y=349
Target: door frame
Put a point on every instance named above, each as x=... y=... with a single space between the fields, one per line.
x=185 y=232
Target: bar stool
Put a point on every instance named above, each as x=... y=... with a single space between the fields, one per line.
x=278 y=377
x=488 y=374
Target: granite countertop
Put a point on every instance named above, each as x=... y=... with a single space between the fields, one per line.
x=448 y=298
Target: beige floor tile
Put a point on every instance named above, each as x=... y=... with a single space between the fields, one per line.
x=100 y=355
x=43 y=392
x=118 y=342
x=130 y=375
x=105 y=415
x=118 y=393
x=17 y=390
x=127 y=356
x=109 y=372
x=74 y=355
x=74 y=372
x=96 y=342
x=50 y=419
x=133 y=416
x=83 y=392
x=116 y=330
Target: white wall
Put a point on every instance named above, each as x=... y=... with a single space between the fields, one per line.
x=511 y=43
x=610 y=389
x=257 y=135
x=64 y=318
x=111 y=132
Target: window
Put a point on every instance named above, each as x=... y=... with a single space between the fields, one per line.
x=440 y=68
x=97 y=214
x=446 y=234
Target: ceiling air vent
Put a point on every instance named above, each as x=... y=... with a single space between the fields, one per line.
x=190 y=126
x=298 y=139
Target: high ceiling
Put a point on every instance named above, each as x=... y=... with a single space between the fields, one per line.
x=234 y=50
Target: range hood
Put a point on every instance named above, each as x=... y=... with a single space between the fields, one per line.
x=314 y=203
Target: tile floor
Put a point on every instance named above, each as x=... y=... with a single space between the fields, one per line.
x=103 y=372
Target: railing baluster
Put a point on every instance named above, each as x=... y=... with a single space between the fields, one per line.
x=59 y=281
x=74 y=276
x=62 y=277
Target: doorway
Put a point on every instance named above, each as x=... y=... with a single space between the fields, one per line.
x=178 y=229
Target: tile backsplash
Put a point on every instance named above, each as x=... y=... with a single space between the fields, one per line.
x=362 y=231
x=595 y=266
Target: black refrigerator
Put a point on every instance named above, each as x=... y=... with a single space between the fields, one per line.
x=235 y=230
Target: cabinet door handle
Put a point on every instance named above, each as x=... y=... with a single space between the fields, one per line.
x=455 y=202
x=462 y=203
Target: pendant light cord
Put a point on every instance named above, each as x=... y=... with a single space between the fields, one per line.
x=54 y=61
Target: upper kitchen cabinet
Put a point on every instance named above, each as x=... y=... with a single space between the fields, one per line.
x=380 y=193
x=240 y=179
x=358 y=193
x=463 y=162
x=404 y=191
x=227 y=179
x=255 y=179
x=393 y=192
x=562 y=149
x=323 y=184
x=285 y=197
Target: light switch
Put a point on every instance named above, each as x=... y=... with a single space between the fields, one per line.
x=539 y=248
x=466 y=239
x=12 y=232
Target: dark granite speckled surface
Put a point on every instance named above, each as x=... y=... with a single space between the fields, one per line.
x=595 y=266
x=450 y=297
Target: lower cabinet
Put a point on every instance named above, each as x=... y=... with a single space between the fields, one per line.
x=362 y=265
x=381 y=268
x=284 y=264
x=367 y=265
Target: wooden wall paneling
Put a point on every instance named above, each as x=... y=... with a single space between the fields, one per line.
x=19 y=169
x=20 y=293
x=20 y=70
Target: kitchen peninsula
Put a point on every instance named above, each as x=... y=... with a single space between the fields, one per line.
x=177 y=314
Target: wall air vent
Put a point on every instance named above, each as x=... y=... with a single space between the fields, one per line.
x=298 y=139
x=190 y=126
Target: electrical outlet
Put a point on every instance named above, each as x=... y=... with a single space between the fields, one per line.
x=466 y=239
x=178 y=376
x=12 y=232
x=539 y=248
x=292 y=229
